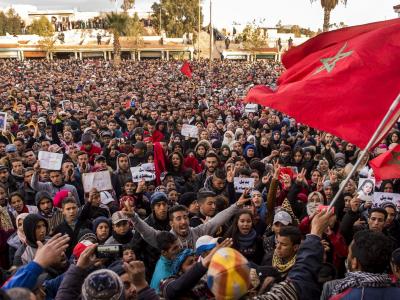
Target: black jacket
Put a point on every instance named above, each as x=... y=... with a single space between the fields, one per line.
x=64 y=228
x=147 y=253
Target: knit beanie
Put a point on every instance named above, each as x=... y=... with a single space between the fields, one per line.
x=158 y=197
x=228 y=275
x=99 y=220
x=59 y=197
x=180 y=259
x=102 y=284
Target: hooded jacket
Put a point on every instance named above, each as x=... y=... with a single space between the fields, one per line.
x=123 y=176
x=29 y=225
x=55 y=217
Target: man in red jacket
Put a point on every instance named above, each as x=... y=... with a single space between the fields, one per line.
x=89 y=147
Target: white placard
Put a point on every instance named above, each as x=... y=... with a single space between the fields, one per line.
x=251 y=107
x=241 y=184
x=3 y=121
x=138 y=174
x=380 y=198
x=149 y=167
x=366 y=188
x=98 y=180
x=50 y=160
x=190 y=131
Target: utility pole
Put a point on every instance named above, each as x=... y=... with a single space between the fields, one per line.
x=160 y=18
x=199 y=30
x=211 y=34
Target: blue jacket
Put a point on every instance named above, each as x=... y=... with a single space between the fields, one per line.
x=25 y=277
x=162 y=271
x=304 y=273
x=389 y=293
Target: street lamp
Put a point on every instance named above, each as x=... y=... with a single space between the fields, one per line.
x=211 y=34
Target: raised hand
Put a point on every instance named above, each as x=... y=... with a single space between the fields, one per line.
x=230 y=175
x=52 y=252
x=225 y=243
x=136 y=272
x=320 y=222
x=87 y=257
x=287 y=181
x=301 y=177
x=243 y=198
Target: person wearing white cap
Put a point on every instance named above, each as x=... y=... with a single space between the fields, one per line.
x=281 y=219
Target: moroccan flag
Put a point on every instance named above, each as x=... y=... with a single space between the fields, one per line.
x=186 y=69
x=387 y=165
x=342 y=81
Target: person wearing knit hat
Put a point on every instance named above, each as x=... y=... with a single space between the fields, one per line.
x=158 y=219
x=340 y=160
x=59 y=197
x=158 y=197
x=183 y=261
x=103 y=284
x=102 y=229
x=228 y=275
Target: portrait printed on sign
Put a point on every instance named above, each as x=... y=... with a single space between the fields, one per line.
x=3 y=121
x=366 y=187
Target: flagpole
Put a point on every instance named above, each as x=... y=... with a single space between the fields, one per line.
x=371 y=142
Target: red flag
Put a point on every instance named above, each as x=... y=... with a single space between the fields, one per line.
x=342 y=81
x=387 y=165
x=186 y=69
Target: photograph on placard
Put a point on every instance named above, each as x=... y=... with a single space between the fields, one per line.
x=3 y=121
x=366 y=187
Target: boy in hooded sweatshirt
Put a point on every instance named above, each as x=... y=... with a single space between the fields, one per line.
x=46 y=208
x=36 y=228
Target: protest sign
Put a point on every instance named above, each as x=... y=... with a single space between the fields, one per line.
x=98 y=180
x=190 y=131
x=241 y=184
x=251 y=107
x=148 y=167
x=50 y=160
x=381 y=198
x=3 y=121
x=138 y=173
x=366 y=187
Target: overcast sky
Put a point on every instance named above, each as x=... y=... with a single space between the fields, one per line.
x=226 y=12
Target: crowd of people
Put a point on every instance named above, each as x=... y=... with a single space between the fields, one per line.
x=188 y=232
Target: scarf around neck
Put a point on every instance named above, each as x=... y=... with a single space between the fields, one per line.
x=247 y=240
x=123 y=238
x=280 y=265
x=362 y=280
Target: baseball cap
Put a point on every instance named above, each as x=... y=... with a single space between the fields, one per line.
x=80 y=247
x=282 y=217
x=99 y=157
x=106 y=197
x=205 y=243
x=119 y=216
x=10 y=148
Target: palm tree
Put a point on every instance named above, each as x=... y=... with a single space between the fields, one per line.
x=117 y=24
x=328 y=6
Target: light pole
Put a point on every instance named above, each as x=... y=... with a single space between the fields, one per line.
x=199 y=30
x=211 y=34
x=160 y=18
